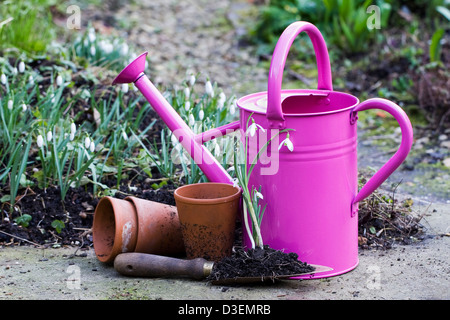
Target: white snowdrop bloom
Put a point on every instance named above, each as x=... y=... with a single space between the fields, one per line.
x=125 y=87
x=10 y=104
x=124 y=49
x=259 y=195
x=14 y=71
x=187 y=92
x=49 y=136
x=72 y=136
x=39 y=141
x=191 y=119
x=232 y=108
x=52 y=98
x=187 y=105
x=21 y=67
x=92 y=146
x=87 y=142
x=24 y=107
x=3 y=78
x=191 y=80
x=288 y=143
x=201 y=114
x=209 y=89
x=221 y=100
x=31 y=80
x=124 y=135
x=59 y=81
x=235 y=182
x=92 y=50
x=253 y=127
x=73 y=128
x=91 y=35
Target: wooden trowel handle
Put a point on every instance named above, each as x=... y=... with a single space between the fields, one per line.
x=149 y=265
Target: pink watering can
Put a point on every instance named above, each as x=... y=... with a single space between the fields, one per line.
x=311 y=191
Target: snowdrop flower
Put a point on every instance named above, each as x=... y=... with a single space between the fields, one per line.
x=31 y=80
x=191 y=80
x=125 y=87
x=14 y=71
x=72 y=136
x=187 y=92
x=221 y=100
x=91 y=35
x=87 y=142
x=232 y=108
x=124 y=135
x=253 y=127
x=201 y=114
x=92 y=146
x=40 y=141
x=21 y=67
x=124 y=49
x=59 y=81
x=235 y=182
x=209 y=89
x=287 y=142
x=191 y=119
x=24 y=107
x=187 y=105
x=3 y=78
x=259 y=195
x=49 y=136
x=92 y=51
x=52 y=98
x=10 y=104
x=73 y=128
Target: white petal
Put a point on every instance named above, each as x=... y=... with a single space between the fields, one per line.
x=187 y=105
x=92 y=146
x=290 y=145
x=209 y=89
x=10 y=104
x=187 y=92
x=87 y=142
x=124 y=87
x=262 y=129
x=3 y=78
x=282 y=144
x=49 y=136
x=59 y=80
x=259 y=195
x=73 y=128
x=201 y=114
x=191 y=80
x=40 y=141
x=21 y=67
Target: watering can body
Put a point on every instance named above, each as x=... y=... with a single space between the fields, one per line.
x=311 y=191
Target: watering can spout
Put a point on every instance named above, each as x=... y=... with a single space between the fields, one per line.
x=133 y=71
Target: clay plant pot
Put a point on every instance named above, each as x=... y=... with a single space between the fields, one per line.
x=208 y=213
x=135 y=225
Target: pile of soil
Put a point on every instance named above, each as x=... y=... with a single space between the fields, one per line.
x=259 y=262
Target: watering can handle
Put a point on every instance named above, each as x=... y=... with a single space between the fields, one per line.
x=407 y=139
x=324 y=81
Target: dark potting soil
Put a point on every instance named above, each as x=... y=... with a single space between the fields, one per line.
x=258 y=262
x=74 y=215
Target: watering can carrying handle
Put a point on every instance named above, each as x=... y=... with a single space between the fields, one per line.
x=324 y=81
x=407 y=140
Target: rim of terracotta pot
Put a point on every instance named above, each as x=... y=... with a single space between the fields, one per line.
x=235 y=192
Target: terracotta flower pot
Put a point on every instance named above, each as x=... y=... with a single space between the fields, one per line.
x=208 y=213
x=135 y=225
